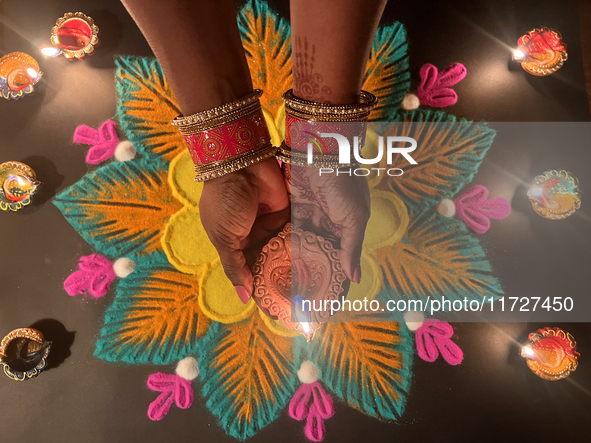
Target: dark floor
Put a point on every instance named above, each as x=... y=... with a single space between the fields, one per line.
x=585 y=17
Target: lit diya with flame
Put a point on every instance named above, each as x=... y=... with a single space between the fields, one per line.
x=74 y=35
x=18 y=73
x=555 y=195
x=541 y=52
x=298 y=265
x=18 y=183
x=24 y=353
x=551 y=353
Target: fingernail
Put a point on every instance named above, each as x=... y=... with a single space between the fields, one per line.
x=243 y=294
x=357 y=274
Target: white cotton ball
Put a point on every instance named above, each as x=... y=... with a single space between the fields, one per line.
x=187 y=368
x=410 y=102
x=414 y=320
x=123 y=267
x=125 y=151
x=447 y=208
x=308 y=372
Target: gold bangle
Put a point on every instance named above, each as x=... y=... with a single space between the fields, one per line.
x=285 y=154
x=367 y=101
x=327 y=118
x=224 y=167
x=218 y=111
x=220 y=121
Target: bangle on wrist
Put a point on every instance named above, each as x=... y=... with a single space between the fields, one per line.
x=313 y=111
x=218 y=111
x=241 y=161
x=327 y=118
x=295 y=158
x=227 y=138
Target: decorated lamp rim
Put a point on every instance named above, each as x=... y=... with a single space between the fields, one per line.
x=82 y=52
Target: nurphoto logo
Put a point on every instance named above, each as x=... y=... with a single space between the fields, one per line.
x=394 y=145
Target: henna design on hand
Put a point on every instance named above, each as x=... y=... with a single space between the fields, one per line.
x=327 y=224
x=307 y=82
x=302 y=212
x=301 y=182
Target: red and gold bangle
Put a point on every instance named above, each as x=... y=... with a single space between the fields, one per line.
x=295 y=129
x=241 y=161
x=227 y=138
x=325 y=118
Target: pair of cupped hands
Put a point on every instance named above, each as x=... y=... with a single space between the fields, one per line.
x=243 y=210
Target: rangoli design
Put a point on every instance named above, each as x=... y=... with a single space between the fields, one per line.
x=178 y=303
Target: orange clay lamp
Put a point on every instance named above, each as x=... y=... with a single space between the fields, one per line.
x=74 y=35
x=541 y=52
x=18 y=73
x=551 y=353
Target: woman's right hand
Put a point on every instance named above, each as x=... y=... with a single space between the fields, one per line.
x=240 y=212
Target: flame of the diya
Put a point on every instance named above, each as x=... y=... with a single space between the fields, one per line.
x=51 y=52
x=301 y=312
x=519 y=55
x=17 y=187
x=551 y=353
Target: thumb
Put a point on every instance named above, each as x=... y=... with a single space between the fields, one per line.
x=235 y=267
x=228 y=207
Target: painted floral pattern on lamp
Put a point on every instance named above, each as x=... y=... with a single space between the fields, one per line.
x=18 y=183
x=551 y=353
x=555 y=195
x=19 y=72
x=541 y=52
x=74 y=35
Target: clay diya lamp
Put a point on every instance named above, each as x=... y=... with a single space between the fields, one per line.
x=23 y=354
x=17 y=184
x=18 y=73
x=551 y=353
x=74 y=35
x=555 y=195
x=298 y=265
x=541 y=52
